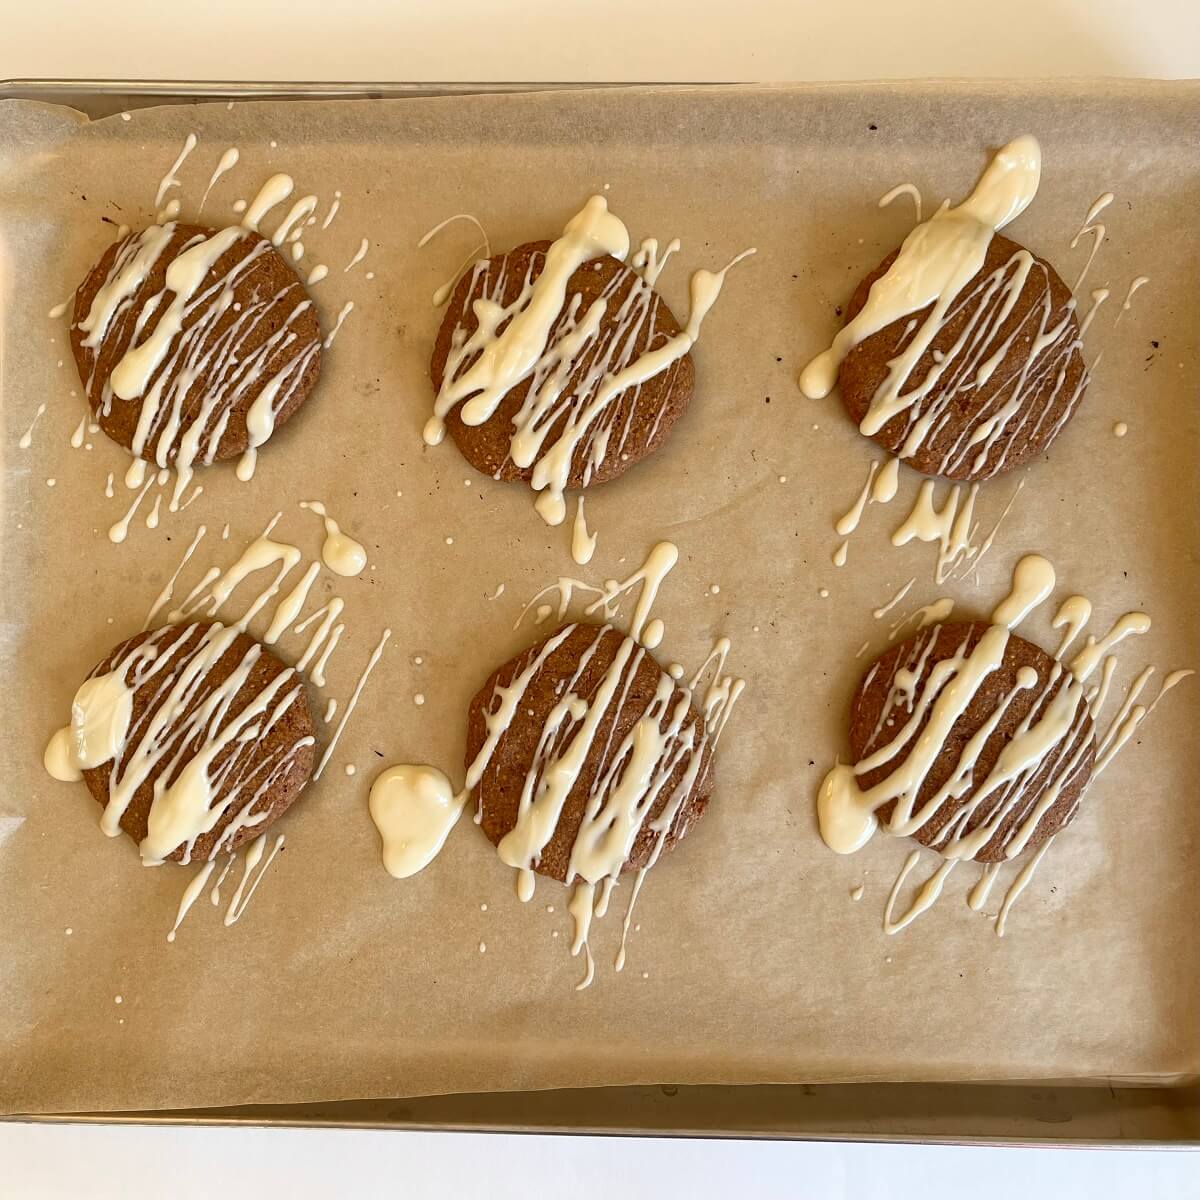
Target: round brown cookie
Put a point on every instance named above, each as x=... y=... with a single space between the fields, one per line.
x=277 y=762
x=249 y=324
x=638 y=418
x=880 y=711
x=1046 y=388
x=504 y=778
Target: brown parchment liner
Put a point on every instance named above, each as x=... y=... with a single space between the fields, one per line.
x=341 y=982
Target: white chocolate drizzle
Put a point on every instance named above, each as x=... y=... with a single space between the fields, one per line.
x=443 y=293
x=241 y=898
x=180 y=424
x=376 y=655
x=935 y=265
x=414 y=808
x=882 y=611
x=240 y=901
x=903 y=189
x=227 y=162
x=583 y=544
x=333 y=210
x=359 y=255
x=26 y=439
x=168 y=592
x=170 y=180
x=204 y=754
x=343 y=313
x=340 y=552
x=576 y=374
x=953 y=527
x=186 y=710
x=1097 y=232
x=1135 y=285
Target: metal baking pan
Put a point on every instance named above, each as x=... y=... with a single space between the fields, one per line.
x=1098 y=1114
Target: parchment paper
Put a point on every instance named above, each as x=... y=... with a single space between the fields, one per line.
x=752 y=963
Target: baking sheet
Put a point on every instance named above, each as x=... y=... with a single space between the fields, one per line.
x=343 y=983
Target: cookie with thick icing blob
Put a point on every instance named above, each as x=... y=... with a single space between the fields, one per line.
x=194 y=344
x=553 y=712
x=1004 y=370
x=1007 y=703
x=199 y=688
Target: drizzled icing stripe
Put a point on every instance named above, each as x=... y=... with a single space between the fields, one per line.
x=186 y=360
x=936 y=267
x=584 y=376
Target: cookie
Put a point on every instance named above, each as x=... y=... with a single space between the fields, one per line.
x=1009 y=371
x=1021 y=691
x=204 y=689
x=637 y=419
x=576 y=661
x=194 y=344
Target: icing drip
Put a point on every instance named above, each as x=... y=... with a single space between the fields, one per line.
x=903 y=189
x=343 y=313
x=927 y=895
x=953 y=527
x=168 y=592
x=190 y=894
x=1135 y=285
x=359 y=255
x=882 y=611
x=26 y=439
x=485 y=247
x=1096 y=230
x=169 y=180
x=583 y=544
x=253 y=856
x=879 y=488
x=376 y=655
x=340 y=552
x=227 y=162
x=414 y=808
x=648 y=578
x=576 y=375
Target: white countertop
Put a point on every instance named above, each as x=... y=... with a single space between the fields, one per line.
x=560 y=40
